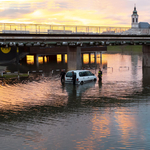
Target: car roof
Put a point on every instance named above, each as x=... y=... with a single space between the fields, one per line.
x=78 y=70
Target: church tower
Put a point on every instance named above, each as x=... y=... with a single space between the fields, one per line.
x=134 y=18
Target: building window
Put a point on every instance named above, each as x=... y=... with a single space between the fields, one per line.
x=133 y=20
x=136 y=19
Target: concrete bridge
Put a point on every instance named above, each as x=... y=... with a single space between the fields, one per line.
x=71 y=37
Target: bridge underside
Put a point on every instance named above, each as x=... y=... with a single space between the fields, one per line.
x=52 y=44
x=64 y=50
x=10 y=54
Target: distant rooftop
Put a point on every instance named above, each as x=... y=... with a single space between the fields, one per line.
x=144 y=25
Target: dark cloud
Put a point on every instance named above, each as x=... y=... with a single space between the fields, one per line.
x=14 y=13
x=63 y=4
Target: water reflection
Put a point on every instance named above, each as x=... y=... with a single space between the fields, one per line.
x=99 y=132
x=75 y=93
x=111 y=114
x=119 y=84
x=126 y=126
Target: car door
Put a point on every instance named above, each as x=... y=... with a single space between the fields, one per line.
x=86 y=77
x=82 y=76
x=90 y=76
x=68 y=77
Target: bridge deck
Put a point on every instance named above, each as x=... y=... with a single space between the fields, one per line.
x=72 y=39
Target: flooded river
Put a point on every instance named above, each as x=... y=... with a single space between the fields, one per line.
x=112 y=114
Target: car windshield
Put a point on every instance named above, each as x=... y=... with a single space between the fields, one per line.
x=85 y=73
x=89 y=73
x=69 y=74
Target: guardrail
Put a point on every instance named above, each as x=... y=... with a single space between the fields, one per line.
x=58 y=29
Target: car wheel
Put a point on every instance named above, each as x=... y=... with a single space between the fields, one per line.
x=81 y=82
x=95 y=79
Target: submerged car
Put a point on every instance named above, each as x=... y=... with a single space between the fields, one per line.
x=81 y=76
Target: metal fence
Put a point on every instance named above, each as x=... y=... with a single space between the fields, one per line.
x=59 y=29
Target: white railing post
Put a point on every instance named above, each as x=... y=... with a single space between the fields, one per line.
x=76 y=29
x=36 y=28
x=64 y=29
x=88 y=29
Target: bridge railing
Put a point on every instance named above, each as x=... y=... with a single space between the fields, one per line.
x=59 y=29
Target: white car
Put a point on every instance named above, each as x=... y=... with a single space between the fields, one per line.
x=81 y=76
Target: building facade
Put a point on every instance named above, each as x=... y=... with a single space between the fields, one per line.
x=135 y=18
x=134 y=21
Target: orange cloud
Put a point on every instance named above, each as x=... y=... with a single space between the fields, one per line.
x=70 y=12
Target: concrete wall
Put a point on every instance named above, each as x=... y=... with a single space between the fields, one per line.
x=146 y=55
x=9 y=54
x=146 y=77
x=74 y=58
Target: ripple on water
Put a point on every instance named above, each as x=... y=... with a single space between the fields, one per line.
x=19 y=96
x=109 y=115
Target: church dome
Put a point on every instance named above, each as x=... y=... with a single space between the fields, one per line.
x=135 y=11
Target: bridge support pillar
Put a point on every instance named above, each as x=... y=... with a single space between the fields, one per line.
x=36 y=61
x=146 y=73
x=74 y=57
x=63 y=58
x=146 y=55
x=82 y=58
x=43 y=59
x=89 y=58
x=95 y=56
x=101 y=66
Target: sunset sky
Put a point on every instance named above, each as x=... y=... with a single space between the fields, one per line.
x=73 y=12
